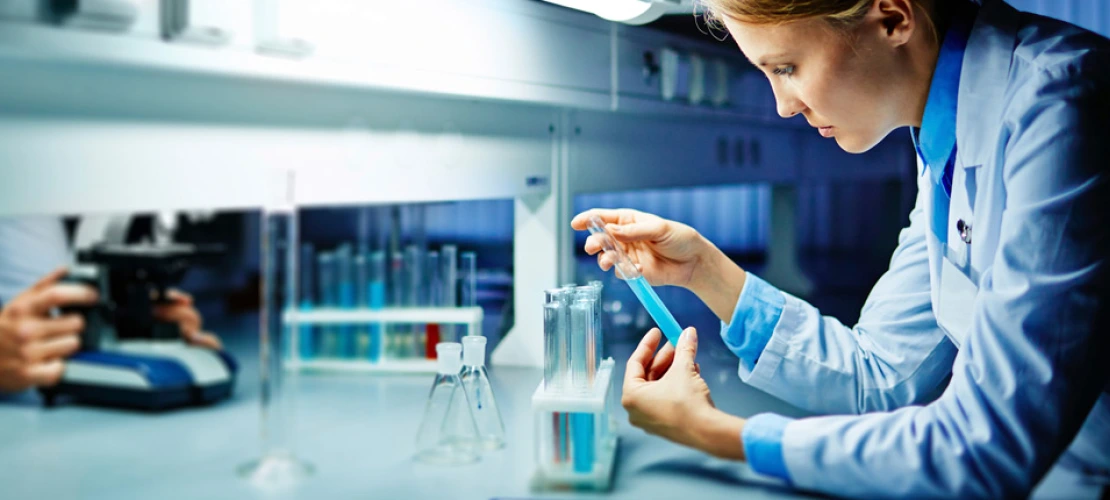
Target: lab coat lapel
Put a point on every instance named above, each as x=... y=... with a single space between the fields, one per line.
x=983 y=79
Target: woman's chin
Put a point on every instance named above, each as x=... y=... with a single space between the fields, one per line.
x=856 y=144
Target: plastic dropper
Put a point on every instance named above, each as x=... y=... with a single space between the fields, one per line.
x=627 y=271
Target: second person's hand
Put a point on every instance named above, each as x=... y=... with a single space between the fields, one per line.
x=33 y=342
x=181 y=310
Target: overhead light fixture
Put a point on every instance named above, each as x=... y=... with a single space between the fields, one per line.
x=626 y=11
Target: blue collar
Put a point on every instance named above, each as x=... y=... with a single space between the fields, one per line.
x=936 y=141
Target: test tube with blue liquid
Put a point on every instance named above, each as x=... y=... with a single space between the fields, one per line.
x=397 y=333
x=584 y=363
x=306 y=346
x=362 y=301
x=345 y=293
x=376 y=303
x=627 y=271
x=326 y=289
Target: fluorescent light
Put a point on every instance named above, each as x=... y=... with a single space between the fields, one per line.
x=624 y=11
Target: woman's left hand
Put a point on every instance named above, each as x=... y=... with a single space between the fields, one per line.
x=666 y=396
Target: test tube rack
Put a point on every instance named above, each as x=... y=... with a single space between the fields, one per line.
x=471 y=317
x=558 y=465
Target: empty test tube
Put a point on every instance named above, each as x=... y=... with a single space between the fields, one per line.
x=556 y=319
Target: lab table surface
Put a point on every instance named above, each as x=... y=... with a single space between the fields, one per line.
x=358 y=430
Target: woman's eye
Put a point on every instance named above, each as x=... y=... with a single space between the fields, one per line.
x=783 y=70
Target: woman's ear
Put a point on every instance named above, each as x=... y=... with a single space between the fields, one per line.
x=896 y=19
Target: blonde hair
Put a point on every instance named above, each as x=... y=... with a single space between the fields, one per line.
x=841 y=14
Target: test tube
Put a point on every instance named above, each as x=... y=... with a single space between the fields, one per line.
x=305 y=346
x=326 y=292
x=376 y=302
x=555 y=317
x=448 y=260
x=362 y=300
x=468 y=270
x=599 y=336
x=582 y=346
x=583 y=371
x=396 y=333
x=414 y=266
x=434 y=288
x=345 y=292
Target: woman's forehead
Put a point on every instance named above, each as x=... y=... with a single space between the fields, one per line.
x=763 y=43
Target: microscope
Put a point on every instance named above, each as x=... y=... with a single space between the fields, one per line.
x=128 y=358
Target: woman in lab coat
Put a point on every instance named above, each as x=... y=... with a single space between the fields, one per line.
x=980 y=358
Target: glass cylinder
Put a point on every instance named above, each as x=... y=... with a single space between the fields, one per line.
x=278 y=465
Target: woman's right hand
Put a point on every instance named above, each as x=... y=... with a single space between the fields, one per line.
x=666 y=252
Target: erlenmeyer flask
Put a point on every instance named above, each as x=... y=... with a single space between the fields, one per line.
x=491 y=429
x=448 y=433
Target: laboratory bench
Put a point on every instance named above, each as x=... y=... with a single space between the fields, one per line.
x=359 y=432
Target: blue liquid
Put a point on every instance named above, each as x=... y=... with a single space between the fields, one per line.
x=346 y=341
x=306 y=348
x=582 y=432
x=377 y=302
x=656 y=309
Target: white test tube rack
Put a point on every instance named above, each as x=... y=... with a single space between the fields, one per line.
x=471 y=317
x=554 y=474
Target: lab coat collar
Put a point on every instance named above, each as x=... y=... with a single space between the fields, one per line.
x=937 y=138
x=986 y=70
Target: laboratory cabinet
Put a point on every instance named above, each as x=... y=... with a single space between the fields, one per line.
x=617 y=152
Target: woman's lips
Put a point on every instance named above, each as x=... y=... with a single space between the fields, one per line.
x=826 y=132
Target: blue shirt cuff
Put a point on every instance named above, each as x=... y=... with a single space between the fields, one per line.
x=754 y=319
x=762 y=436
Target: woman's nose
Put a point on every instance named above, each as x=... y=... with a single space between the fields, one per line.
x=788 y=107
x=786 y=103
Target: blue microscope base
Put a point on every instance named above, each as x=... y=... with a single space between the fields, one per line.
x=152 y=399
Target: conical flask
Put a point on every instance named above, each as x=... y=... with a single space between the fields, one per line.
x=448 y=433
x=491 y=428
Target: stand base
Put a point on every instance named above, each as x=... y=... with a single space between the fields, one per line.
x=276 y=471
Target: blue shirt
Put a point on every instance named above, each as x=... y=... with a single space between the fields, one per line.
x=1021 y=385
